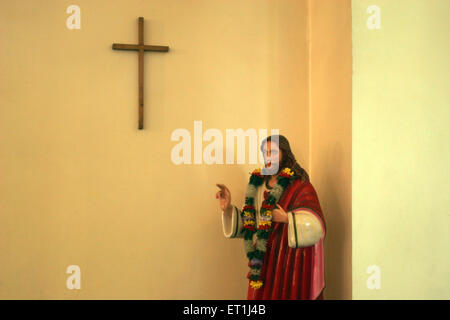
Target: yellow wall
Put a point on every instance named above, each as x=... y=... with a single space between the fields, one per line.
x=331 y=135
x=400 y=150
x=80 y=185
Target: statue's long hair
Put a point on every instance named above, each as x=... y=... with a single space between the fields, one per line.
x=288 y=158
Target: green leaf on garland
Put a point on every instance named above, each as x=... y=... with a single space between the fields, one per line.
x=249 y=201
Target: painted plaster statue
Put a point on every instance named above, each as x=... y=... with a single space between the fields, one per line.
x=282 y=227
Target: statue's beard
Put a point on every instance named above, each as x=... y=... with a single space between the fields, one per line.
x=281 y=164
x=270 y=165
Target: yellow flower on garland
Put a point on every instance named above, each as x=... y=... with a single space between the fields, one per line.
x=256 y=284
x=267 y=213
x=257 y=171
x=265 y=223
x=288 y=171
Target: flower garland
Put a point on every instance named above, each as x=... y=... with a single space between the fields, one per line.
x=255 y=252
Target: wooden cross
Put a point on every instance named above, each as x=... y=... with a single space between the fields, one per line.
x=141 y=47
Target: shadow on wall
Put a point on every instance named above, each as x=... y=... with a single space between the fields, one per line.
x=329 y=186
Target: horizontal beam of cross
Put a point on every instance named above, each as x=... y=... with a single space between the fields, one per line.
x=137 y=47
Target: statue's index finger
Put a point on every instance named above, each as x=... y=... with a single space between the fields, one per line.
x=222 y=187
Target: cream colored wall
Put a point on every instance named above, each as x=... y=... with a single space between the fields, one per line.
x=331 y=136
x=80 y=185
x=401 y=123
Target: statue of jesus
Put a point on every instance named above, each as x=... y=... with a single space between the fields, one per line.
x=282 y=226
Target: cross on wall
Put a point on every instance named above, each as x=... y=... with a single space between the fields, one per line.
x=141 y=48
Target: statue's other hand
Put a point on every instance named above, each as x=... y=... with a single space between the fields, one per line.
x=279 y=215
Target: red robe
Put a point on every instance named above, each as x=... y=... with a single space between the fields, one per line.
x=288 y=273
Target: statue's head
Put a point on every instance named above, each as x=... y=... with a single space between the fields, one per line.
x=278 y=155
x=273 y=155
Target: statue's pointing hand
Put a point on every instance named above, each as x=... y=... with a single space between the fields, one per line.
x=224 y=197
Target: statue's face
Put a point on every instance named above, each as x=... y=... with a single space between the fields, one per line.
x=272 y=155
